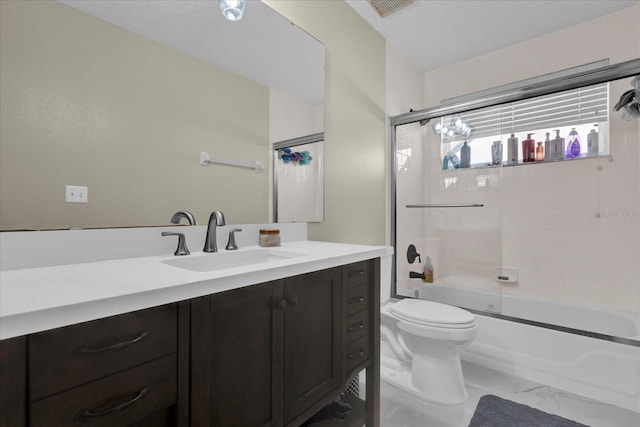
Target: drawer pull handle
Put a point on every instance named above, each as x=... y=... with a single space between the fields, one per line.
x=293 y=301
x=88 y=414
x=282 y=304
x=88 y=352
x=355 y=300
x=356 y=354
x=355 y=326
x=353 y=273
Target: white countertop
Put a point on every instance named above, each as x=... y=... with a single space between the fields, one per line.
x=38 y=299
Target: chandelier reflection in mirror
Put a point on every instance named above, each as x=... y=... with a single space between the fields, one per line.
x=457 y=126
x=232 y=9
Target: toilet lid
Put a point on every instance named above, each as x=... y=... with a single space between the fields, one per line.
x=432 y=313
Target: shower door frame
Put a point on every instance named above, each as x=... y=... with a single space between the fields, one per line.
x=496 y=97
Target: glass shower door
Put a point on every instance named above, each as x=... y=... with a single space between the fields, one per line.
x=452 y=217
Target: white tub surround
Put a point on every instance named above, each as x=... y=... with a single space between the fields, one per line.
x=591 y=319
x=49 y=296
x=599 y=369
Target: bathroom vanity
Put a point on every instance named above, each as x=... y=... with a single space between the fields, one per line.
x=227 y=348
x=277 y=352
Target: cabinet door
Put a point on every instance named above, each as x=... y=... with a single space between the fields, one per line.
x=236 y=374
x=13 y=373
x=312 y=339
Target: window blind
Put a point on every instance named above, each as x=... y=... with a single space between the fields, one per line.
x=569 y=108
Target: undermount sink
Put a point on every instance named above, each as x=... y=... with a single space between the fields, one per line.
x=223 y=260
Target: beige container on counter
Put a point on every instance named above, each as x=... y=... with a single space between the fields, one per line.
x=269 y=238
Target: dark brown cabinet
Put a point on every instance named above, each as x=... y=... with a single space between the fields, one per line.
x=275 y=353
x=312 y=340
x=271 y=354
x=264 y=354
x=123 y=370
x=235 y=377
x=358 y=294
x=13 y=384
x=123 y=399
x=67 y=357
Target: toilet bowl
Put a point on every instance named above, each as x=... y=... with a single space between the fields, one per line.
x=420 y=348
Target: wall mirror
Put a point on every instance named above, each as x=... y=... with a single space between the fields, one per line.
x=122 y=97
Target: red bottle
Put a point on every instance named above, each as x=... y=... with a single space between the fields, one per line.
x=528 y=149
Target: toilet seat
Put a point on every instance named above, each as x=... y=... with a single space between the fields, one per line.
x=433 y=314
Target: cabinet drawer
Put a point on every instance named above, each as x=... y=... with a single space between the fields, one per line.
x=356 y=353
x=117 y=400
x=357 y=298
x=356 y=326
x=66 y=357
x=356 y=274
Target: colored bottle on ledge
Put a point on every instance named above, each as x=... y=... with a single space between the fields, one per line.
x=573 y=145
x=528 y=149
x=547 y=147
x=540 y=152
x=465 y=155
x=593 y=148
x=557 y=147
x=454 y=162
x=496 y=153
x=428 y=271
x=512 y=149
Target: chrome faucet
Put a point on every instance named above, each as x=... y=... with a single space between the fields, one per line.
x=216 y=219
x=175 y=219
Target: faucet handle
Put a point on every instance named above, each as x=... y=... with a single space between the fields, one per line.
x=231 y=244
x=182 y=243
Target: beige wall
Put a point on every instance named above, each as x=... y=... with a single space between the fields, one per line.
x=354 y=205
x=87 y=103
x=614 y=36
x=291 y=117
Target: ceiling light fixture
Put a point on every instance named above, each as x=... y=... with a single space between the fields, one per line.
x=232 y=9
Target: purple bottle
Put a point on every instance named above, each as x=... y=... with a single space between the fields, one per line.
x=573 y=145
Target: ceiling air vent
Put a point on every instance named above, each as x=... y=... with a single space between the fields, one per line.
x=387 y=7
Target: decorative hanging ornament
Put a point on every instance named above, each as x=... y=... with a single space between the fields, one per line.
x=301 y=158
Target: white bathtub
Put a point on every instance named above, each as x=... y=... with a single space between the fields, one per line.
x=596 y=368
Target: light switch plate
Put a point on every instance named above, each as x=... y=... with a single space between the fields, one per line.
x=76 y=194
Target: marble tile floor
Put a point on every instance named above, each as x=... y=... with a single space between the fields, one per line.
x=400 y=409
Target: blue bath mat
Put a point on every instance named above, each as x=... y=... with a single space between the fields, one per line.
x=493 y=411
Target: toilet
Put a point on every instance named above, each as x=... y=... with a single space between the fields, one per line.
x=425 y=339
x=420 y=347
